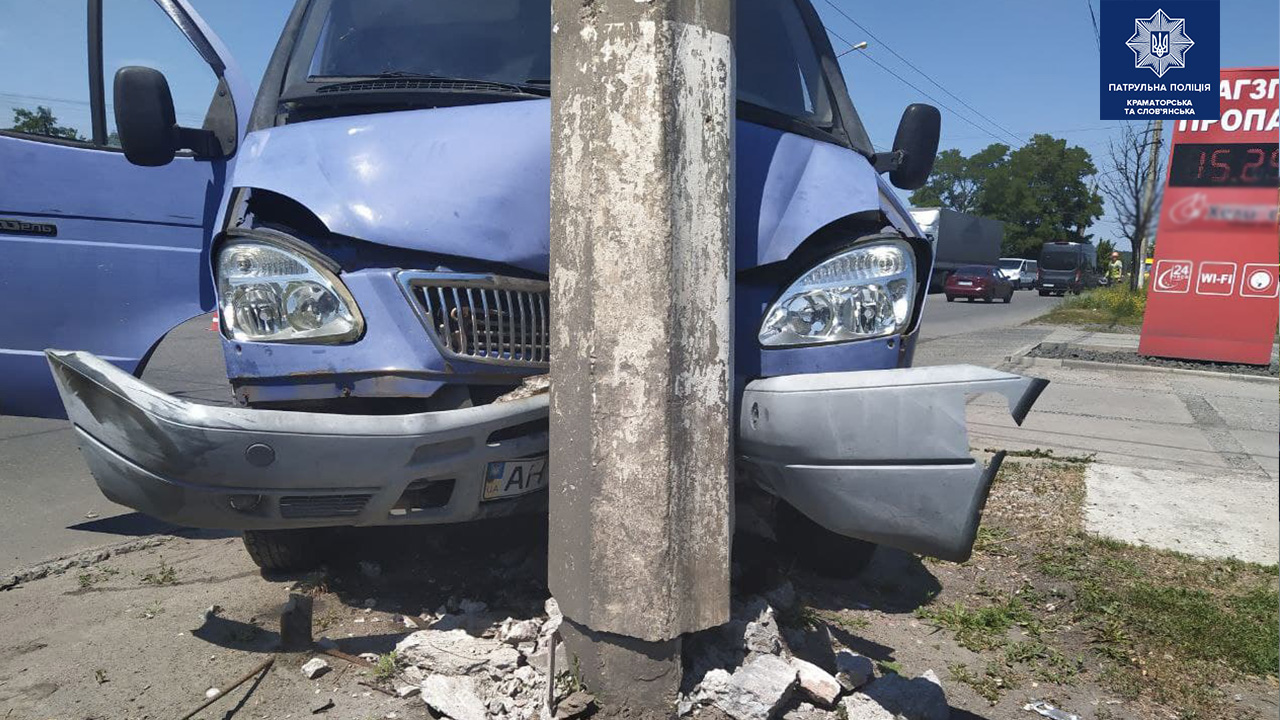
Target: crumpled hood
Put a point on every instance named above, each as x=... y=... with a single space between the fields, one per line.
x=468 y=181
x=475 y=181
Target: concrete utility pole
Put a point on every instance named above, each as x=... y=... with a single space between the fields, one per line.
x=1150 y=202
x=641 y=270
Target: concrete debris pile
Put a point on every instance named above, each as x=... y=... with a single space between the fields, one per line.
x=754 y=669
x=474 y=665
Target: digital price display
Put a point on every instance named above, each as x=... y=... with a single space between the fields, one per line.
x=1214 y=291
x=1225 y=165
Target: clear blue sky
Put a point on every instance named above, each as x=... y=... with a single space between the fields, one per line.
x=1029 y=65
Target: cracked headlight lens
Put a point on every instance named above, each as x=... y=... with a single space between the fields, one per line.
x=864 y=292
x=269 y=294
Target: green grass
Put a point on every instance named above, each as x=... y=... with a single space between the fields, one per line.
x=1169 y=625
x=1112 y=307
x=984 y=627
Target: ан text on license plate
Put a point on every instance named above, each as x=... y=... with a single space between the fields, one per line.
x=509 y=478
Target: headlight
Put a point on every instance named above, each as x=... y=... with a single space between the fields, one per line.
x=864 y=292
x=269 y=294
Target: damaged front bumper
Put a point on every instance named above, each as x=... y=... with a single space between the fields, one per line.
x=238 y=468
x=879 y=455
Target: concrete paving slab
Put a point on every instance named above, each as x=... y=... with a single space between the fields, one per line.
x=1260 y=445
x=1206 y=515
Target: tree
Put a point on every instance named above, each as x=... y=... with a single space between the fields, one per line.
x=42 y=121
x=957 y=181
x=1105 y=248
x=1041 y=194
x=1125 y=185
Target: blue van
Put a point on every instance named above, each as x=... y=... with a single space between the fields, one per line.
x=373 y=230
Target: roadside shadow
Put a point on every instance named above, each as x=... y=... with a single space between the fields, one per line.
x=895 y=582
x=135 y=524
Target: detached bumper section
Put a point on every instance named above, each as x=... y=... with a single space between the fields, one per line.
x=236 y=468
x=880 y=455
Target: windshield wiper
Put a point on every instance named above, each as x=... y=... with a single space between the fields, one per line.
x=405 y=80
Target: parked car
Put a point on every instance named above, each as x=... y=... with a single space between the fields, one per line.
x=1067 y=267
x=374 y=233
x=1020 y=271
x=979 y=282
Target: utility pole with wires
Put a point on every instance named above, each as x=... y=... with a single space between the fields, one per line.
x=1152 y=170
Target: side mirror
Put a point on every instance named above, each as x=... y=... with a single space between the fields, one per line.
x=149 y=132
x=916 y=146
x=145 y=117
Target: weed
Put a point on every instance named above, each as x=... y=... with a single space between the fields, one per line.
x=93 y=576
x=1046 y=454
x=385 y=668
x=1115 y=306
x=154 y=609
x=991 y=541
x=100 y=676
x=889 y=666
x=981 y=628
x=163 y=575
x=990 y=685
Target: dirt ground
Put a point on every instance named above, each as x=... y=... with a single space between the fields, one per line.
x=1042 y=612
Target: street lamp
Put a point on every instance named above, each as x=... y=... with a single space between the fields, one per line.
x=859 y=46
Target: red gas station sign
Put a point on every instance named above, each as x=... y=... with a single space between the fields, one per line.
x=1215 y=280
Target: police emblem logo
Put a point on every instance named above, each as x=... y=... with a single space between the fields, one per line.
x=1160 y=43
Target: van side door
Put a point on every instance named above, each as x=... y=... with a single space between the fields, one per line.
x=96 y=253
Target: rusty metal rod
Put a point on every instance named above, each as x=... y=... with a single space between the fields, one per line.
x=260 y=668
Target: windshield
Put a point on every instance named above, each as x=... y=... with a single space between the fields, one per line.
x=358 y=52
x=505 y=41
x=1010 y=264
x=974 y=271
x=1060 y=258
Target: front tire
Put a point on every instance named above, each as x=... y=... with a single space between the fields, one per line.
x=951 y=298
x=1008 y=298
x=817 y=548
x=1044 y=293
x=285 y=550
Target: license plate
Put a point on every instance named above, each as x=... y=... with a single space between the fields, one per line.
x=1046 y=285
x=510 y=478
x=965 y=283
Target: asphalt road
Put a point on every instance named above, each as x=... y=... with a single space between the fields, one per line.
x=943 y=319
x=52 y=506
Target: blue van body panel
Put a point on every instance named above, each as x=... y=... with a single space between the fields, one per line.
x=129 y=261
x=473 y=182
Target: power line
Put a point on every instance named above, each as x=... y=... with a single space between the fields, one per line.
x=1097 y=36
x=922 y=73
x=911 y=85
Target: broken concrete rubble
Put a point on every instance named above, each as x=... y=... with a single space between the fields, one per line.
x=753 y=692
x=853 y=670
x=314 y=668
x=892 y=695
x=816 y=684
x=456 y=652
x=454 y=697
x=495 y=666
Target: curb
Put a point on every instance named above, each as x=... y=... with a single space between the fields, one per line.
x=1023 y=359
x=84 y=558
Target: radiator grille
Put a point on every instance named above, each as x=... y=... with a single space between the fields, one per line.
x=322 y=506
x=491 y=319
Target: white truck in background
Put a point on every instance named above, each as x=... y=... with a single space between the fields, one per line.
x=958 y=239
